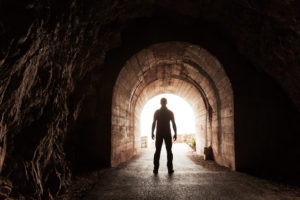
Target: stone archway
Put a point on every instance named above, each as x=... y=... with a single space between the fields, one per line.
x=183 y=69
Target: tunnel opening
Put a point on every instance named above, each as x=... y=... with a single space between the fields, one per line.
x=185 y=70
x=184 y=118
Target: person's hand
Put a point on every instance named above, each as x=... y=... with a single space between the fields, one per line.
x=152 y=136
x=175 y=137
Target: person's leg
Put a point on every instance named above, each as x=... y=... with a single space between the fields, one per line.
x=158 y=144
x=168 y=142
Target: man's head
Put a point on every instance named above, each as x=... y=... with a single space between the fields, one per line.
x=163 y=101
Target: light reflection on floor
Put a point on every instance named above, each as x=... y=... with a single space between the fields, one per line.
x=178 y=148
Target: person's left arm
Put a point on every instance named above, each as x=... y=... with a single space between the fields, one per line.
x=174 y=126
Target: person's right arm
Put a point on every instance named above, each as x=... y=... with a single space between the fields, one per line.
x=153 y=126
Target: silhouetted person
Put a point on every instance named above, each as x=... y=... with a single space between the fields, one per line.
x=162 y=118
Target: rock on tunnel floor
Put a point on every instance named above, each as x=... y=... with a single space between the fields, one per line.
x=135 y=180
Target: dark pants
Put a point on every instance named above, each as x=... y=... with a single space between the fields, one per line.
x=158 y=145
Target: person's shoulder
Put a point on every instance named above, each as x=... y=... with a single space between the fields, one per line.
x=171 y=112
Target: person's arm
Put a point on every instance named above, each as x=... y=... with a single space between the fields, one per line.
x=153 y=126
x=174 y=126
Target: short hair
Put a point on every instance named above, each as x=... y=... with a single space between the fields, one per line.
x=163 y=101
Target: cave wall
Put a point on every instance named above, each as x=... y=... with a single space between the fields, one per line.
x=59 y=61
x=46 y=51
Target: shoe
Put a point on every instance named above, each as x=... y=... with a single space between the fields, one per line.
x=171 y=171
x=155 y=171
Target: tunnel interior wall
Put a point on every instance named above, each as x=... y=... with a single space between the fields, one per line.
x=167 y=62
x=267 y=129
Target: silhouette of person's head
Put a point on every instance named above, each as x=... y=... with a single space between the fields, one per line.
x=163 y=102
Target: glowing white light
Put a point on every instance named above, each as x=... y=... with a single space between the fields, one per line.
x=183 y=113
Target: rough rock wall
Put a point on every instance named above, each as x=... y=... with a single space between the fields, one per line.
x=50 y=61
x=41 y=63
x=267 y=33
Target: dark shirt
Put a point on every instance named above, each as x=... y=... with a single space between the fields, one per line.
x=163 y=117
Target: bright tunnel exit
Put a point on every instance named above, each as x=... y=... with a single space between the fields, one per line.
x=183 y=113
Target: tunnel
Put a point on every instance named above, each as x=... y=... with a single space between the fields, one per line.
x=75 y=76
x=185 y=70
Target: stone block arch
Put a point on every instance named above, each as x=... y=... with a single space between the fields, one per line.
x=183 y=69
